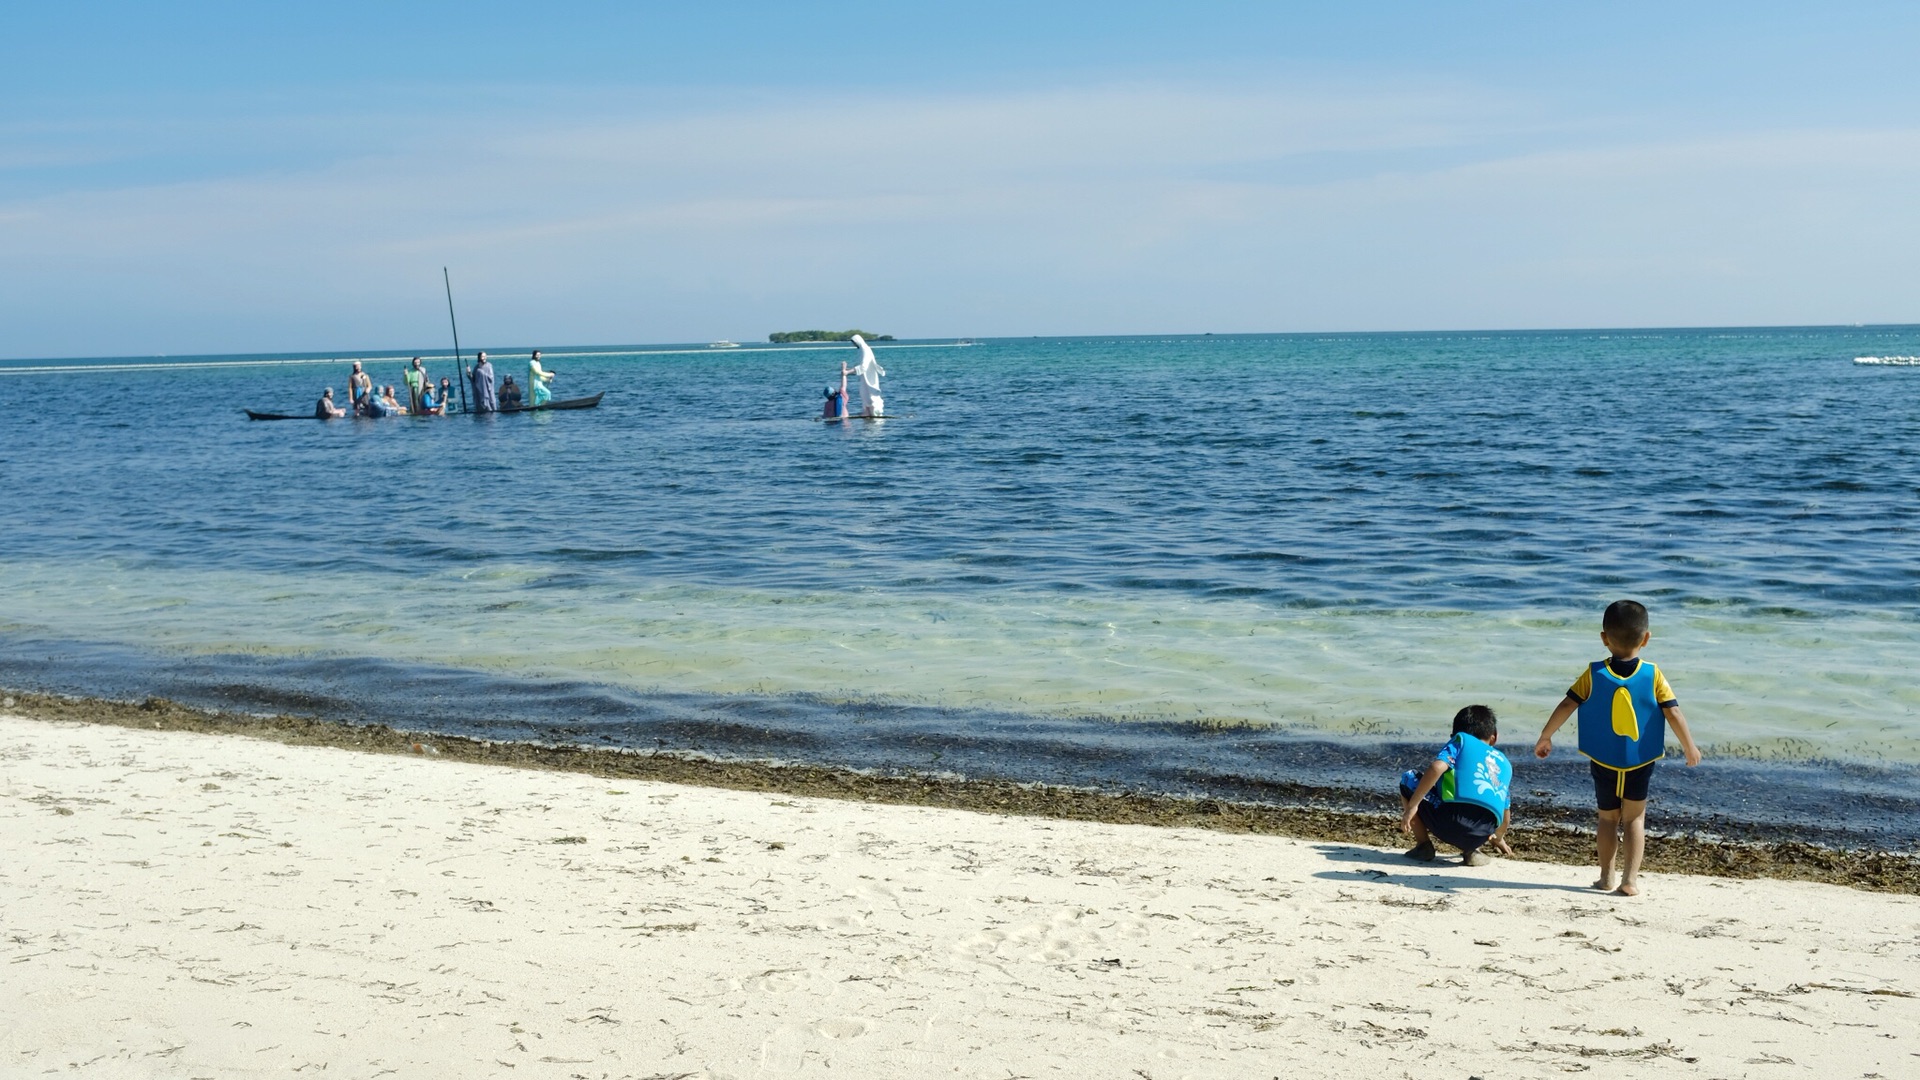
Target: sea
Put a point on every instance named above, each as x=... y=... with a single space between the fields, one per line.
x=1255 y=567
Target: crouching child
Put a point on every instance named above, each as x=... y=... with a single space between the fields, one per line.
x=1464 y=797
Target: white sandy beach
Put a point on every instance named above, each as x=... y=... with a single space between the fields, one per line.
x=187 y=905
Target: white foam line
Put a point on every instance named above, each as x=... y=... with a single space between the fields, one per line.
x=184 y=365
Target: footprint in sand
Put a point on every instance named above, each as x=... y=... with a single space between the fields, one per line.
x=982 y=944
x=775 y=982
x=844 y=1027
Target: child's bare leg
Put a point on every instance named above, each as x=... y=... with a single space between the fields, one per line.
x=1422 y=840
x=1609 y=844
x=1420 y=834
x=1633 y=821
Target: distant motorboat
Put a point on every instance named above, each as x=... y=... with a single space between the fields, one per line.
x=723 y=345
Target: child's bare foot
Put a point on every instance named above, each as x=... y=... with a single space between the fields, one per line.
x=1421 y=852
x=1627 y=889
x=1605 y=884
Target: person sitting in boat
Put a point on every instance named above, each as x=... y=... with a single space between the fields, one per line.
x=510 y=394
x=429 y=404
x=537 y=380
x=394 y=408
x=373 y=405
x=325 y=409
x=446 y=393
x=836 y=404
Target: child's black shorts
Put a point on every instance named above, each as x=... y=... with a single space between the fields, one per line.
x=1612 y=785
x=1462 y=825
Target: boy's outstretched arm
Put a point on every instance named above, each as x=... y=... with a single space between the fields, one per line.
x=1679 y=725
x=1434 y=772
x=1560 y=714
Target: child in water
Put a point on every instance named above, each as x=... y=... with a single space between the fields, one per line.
x=1464 y=797
x=1625 y=707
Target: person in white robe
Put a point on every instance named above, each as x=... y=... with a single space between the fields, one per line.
x=869 y=371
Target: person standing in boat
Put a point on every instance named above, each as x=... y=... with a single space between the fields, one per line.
x=869 y=371
x=537 y=380
x=416 y=377
x=483 y=398
x=325 y=409
x=359 y=388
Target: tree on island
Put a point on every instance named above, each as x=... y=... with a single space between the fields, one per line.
x=788 y=337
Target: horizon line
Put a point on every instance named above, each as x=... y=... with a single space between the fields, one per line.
x=322 y=355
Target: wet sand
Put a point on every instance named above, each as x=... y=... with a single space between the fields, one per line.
x=178 y=903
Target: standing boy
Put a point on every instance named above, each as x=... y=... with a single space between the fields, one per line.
x=1625 y=707
x=1463 y=797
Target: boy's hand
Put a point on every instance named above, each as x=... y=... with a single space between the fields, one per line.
x=1500 y=844
x=1406 y=822
x=1542 y=748
x=1693 y=756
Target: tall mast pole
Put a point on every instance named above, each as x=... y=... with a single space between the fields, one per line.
x=459 y=366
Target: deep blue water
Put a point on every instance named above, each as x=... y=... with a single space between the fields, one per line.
x=1331 y=537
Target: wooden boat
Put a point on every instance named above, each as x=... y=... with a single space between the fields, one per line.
x=569 y=403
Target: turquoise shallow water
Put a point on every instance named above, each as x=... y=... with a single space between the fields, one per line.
x=1337 y=537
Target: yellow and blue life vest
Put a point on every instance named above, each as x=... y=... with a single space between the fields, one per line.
x=1481 y=776
x=1621 y=725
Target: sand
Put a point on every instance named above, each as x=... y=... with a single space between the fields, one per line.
x=197 y=905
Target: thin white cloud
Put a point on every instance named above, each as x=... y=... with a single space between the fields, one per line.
x=1117 y=209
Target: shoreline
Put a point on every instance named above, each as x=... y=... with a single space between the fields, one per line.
x=1558 y=839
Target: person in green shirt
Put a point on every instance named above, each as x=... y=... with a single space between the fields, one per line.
x=416 y=381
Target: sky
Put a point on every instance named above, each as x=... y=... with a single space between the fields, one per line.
x=225 y=178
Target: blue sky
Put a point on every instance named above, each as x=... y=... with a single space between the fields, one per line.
x=234 y=177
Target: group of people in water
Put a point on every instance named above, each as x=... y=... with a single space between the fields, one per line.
x=869 y=371
x=425 y=398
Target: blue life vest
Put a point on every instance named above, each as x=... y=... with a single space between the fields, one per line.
x=1481 y=776
x=1621 y=724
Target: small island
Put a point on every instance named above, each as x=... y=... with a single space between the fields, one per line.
x=788 y=337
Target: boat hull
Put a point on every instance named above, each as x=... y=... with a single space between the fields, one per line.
x=569 y=403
